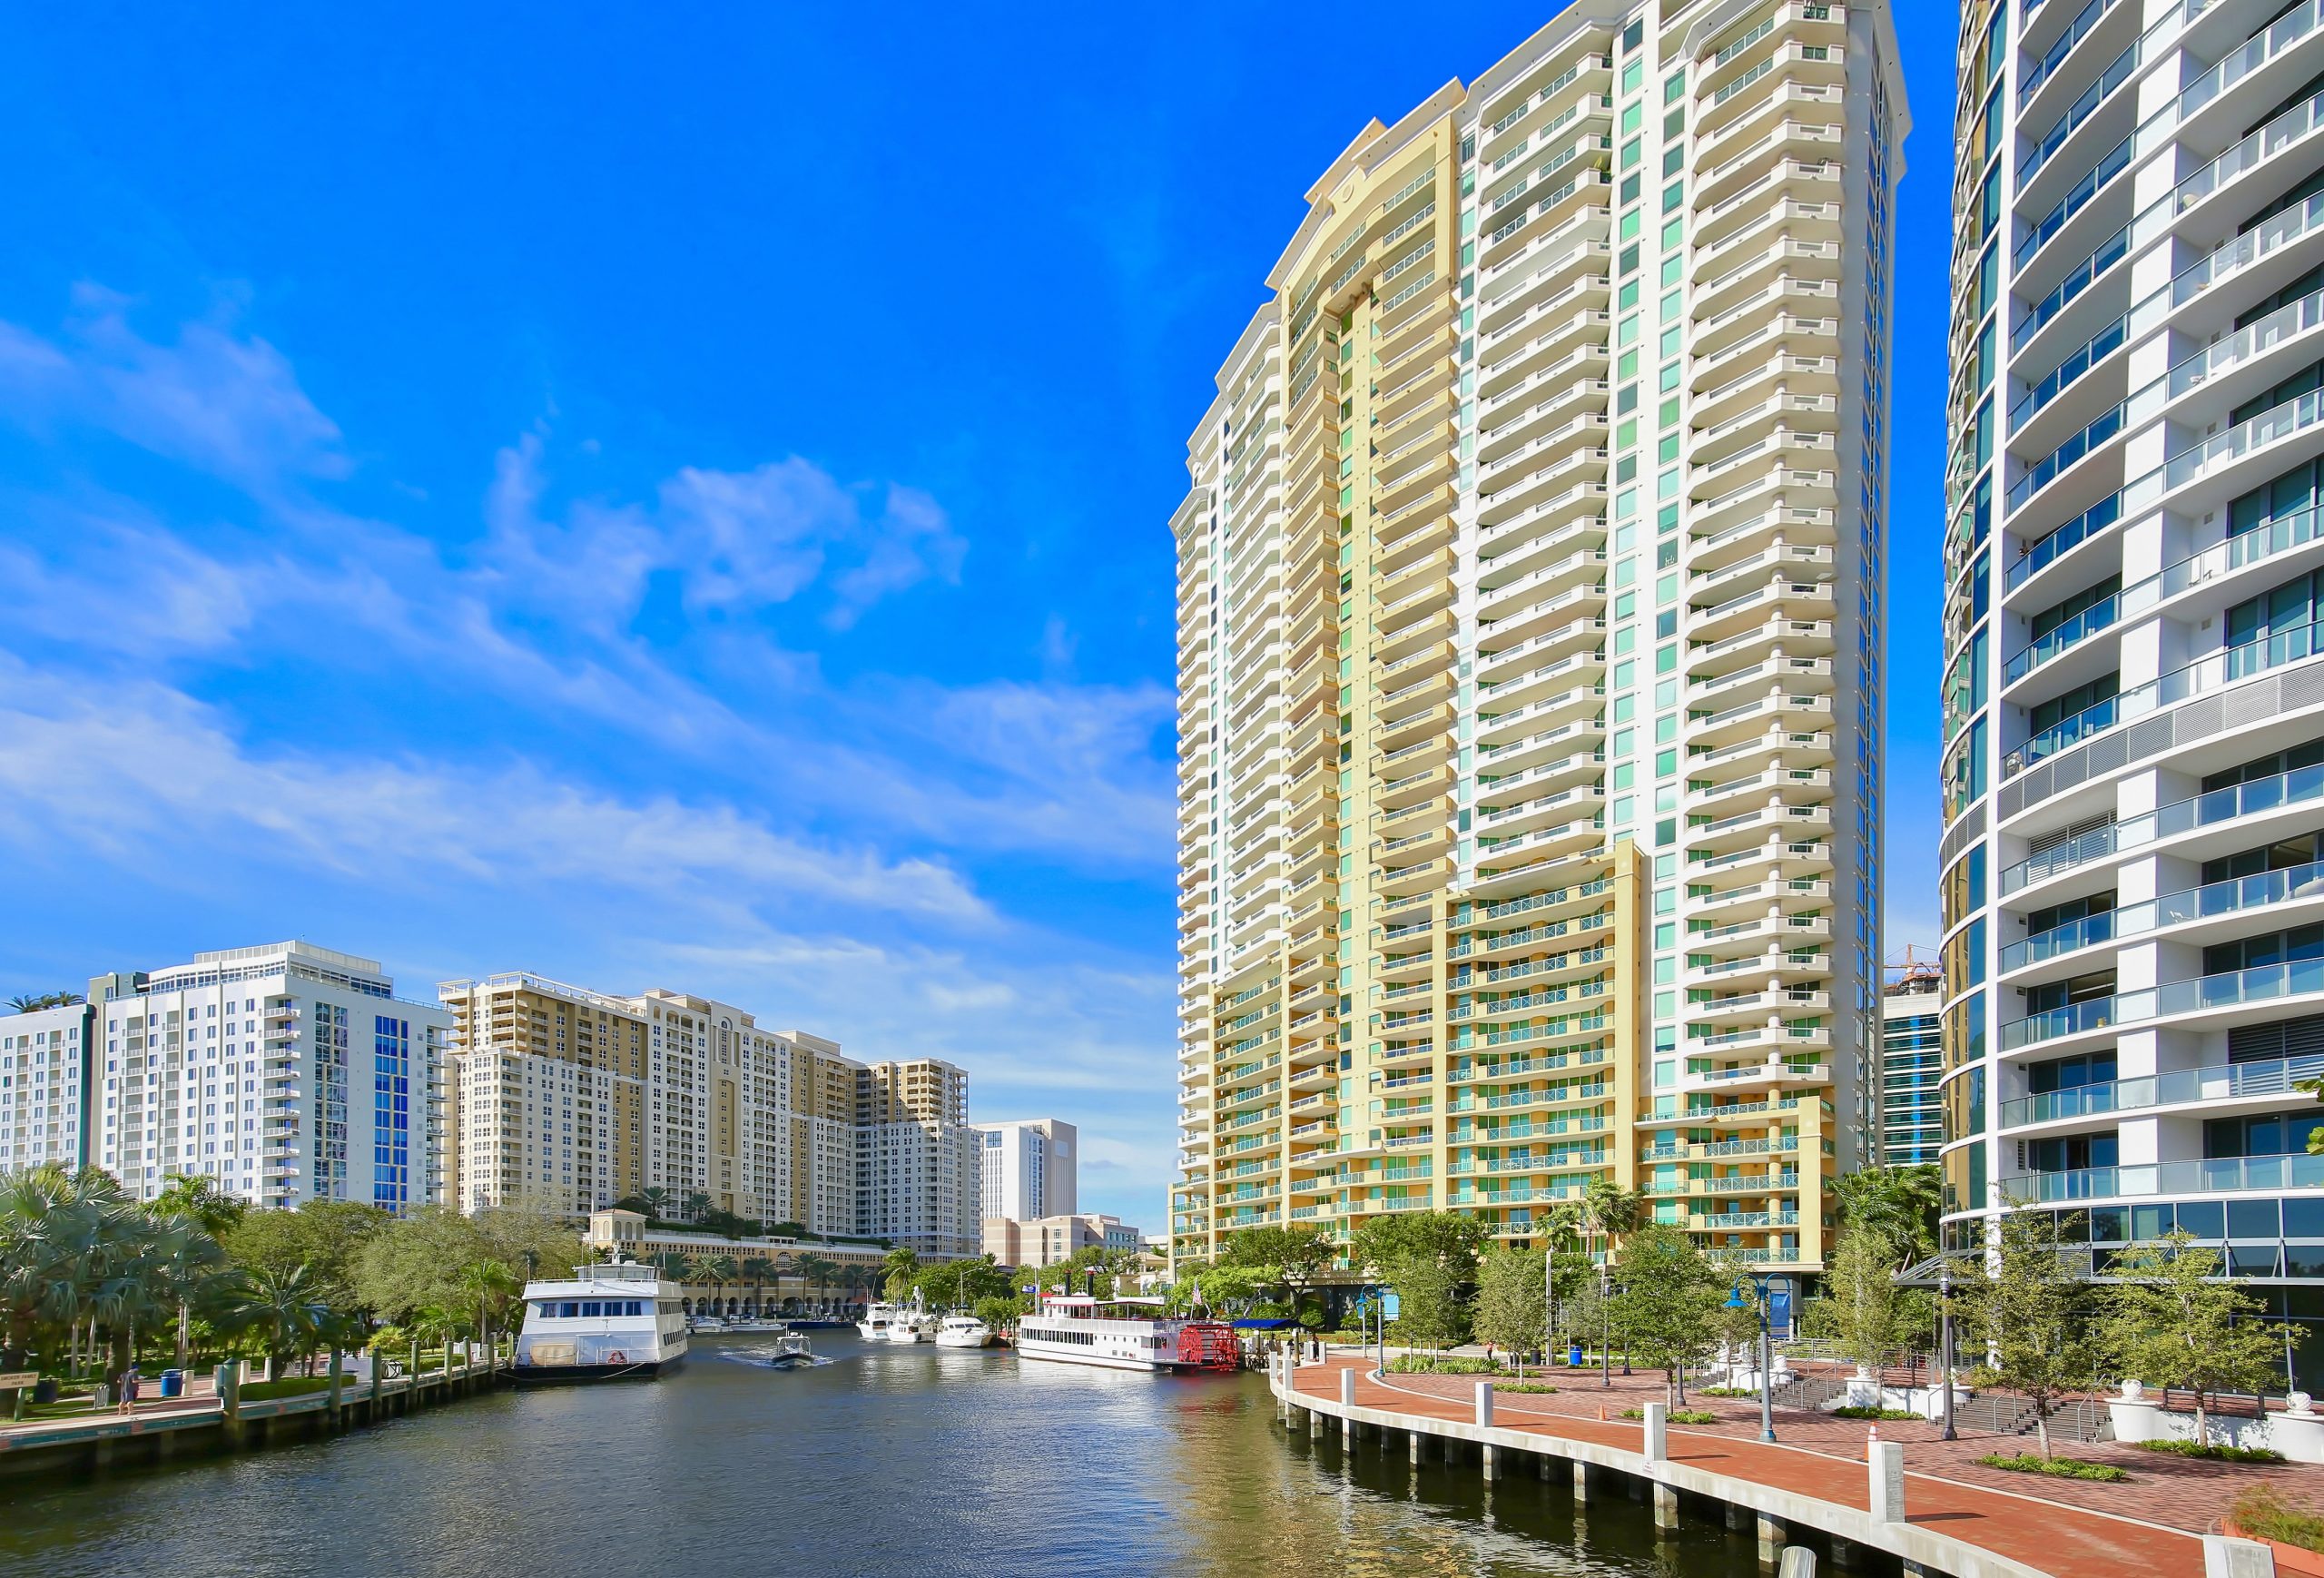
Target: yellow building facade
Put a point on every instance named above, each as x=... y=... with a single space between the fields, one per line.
x=1530 y=601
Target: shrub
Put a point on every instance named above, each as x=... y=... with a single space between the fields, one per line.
x=2059 y=1467
x=1676 y=1416
x=2212 y=1451
x=1442 y=1364
x=1726 y=1392
x=1522 y=1387
x=2264 y=1514
x=1852 y=1412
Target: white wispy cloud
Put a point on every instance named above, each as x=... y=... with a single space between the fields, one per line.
x=134 y=772
x=228 y=404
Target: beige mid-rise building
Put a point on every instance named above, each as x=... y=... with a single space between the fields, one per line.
x=1531 y=625
x=568 y=1099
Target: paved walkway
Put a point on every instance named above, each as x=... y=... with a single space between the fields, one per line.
x=1822 y=1458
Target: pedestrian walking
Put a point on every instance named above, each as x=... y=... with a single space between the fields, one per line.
x=129 y=1390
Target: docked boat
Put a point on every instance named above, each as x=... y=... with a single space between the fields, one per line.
x=1124 y=1334
x=906 y=1325
x=877 y=1319
x=963 y=1331
x=608 y=1322
x=706 y=1324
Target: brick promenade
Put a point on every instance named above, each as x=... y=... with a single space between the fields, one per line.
x=2071 y=1528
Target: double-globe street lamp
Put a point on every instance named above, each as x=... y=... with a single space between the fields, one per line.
x=1761 y=1282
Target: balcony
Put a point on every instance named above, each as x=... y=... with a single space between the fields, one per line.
x=2277 y=1078
x=2224 y=1175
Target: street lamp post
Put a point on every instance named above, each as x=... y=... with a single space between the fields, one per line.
x=1945 y=1341
x=1759 y=1281
x=1606 y=1325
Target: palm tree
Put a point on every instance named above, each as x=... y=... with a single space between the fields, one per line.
x=817 y=1271
x=490 y=1283
x=900 y=1266
x=697 y=1205
x=28 y=1002
x=1899 y=1203
x=1609 y=1211
x=656 y=1201
x=715 y=1269
x=289 y=1312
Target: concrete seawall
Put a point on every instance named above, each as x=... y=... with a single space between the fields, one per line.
x=104 y=1441
x=1852 y=1510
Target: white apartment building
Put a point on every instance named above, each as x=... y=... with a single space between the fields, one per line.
x=1029 y=1168
x=2133 y=860
x=1531 y=625
x=919 y=1175
x=287 y=1073
x=45 y=1088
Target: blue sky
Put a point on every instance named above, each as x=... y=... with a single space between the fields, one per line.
x=682 y=501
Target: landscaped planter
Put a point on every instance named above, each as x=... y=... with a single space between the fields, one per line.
x=2298 y=1432
x=2288 y=1558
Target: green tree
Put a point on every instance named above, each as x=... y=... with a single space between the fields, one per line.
x=290 y=1314
x=1667 y=1307
x=2172 y=1321
x=1298 y=1254
x=1862 y=1295
x=901 y=1273
x=326 y=1235
x=199 y=1197
x=1450 y=1239
x=1512 y=1307
x=1609 y=1211
x=2034 y=1313
x=1898 y=1203
x=29 y=1002
x=1428 y=1313
x=817 y=1271
x=2315 y=1134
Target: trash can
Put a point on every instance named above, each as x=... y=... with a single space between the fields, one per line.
x=1573 y=1356
x=173 y=1383
x=47 y=1389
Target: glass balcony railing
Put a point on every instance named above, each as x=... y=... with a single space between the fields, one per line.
x=2039 y=72
x=2080 y=278
x=2300 y=787
x=2075 y=1017
x=2071 y=535
x=2277 y=1076
x=2085 y=933
x=2238 y=64
x=2085 y=724
x=2080 y=110
x=2268 y=236
x=2090 y=353
x=2222 y=1175
x=2049 y=469
x=2254 y=149
x=2294 y=318
x=2098 y=616
x=2111 y=164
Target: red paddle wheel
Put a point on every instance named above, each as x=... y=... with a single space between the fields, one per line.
x=1209 y=1345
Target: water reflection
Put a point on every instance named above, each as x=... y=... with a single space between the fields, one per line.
x=889 y=1460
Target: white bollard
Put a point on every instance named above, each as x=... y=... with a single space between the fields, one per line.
x=1658 y=1428
x=1886 y=1473
x=1485 y=1403
x=2230 y=1558
x=1347 y=1388
x=1798 y=1562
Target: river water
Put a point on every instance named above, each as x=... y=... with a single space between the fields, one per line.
x=886 y=1460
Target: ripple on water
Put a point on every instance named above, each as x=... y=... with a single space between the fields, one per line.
x=919 y=1461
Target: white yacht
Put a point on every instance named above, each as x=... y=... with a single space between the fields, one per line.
x=792 y=1349
x=877 y=1319
x=963 y=1331
x=603 y=1323
x=906 y=1325
x=1124 y=1334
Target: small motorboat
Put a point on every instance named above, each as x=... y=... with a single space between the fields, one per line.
x=905 y=1327
x=963 y=1331
x=792 y=1350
